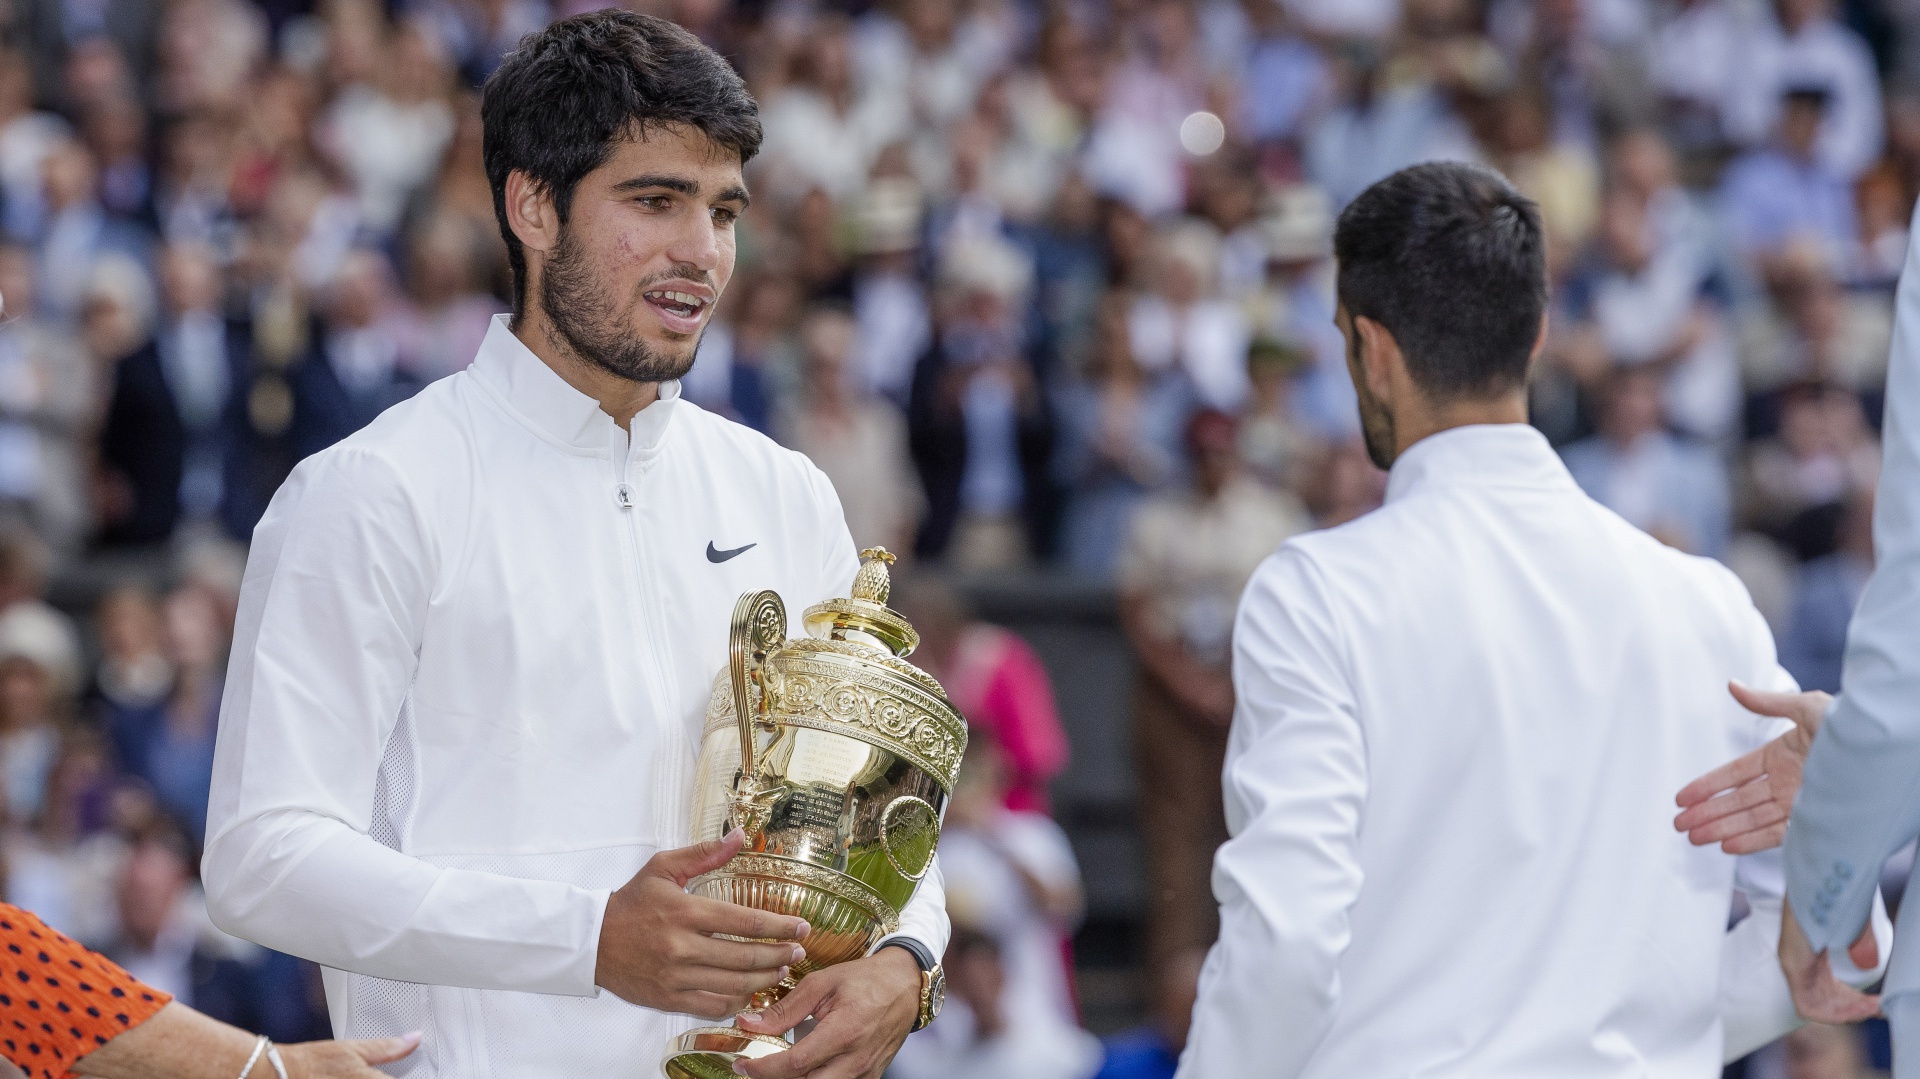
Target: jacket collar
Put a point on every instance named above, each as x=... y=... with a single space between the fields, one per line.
x=543 y=401
x=1478 y=455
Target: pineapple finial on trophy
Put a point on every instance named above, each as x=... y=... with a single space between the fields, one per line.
x=873 y=583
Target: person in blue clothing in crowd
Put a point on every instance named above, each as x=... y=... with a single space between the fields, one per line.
x=1152 y=1050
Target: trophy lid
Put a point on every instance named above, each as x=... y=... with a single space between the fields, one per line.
x=864 y=617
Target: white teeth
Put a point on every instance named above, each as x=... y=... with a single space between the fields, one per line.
x=679 y=297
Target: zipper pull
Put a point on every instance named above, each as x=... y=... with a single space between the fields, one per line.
x=623 y=496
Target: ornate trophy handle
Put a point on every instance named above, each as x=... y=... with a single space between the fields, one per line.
x=759 y=627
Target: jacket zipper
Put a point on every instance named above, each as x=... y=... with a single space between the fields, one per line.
x=666 y=780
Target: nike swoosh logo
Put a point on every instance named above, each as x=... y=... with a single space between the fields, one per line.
x=717 y=557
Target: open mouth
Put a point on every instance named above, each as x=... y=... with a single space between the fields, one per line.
x=680 y=311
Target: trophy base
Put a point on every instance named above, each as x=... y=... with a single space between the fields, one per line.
x=709 y=1052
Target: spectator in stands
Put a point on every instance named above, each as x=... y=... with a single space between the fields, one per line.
x=1276 y=446
x=27 y=136
x=1014 y=874
x=134 y=672
x=446 y=258
x=822 y=131
x=1824 y=598
x=889 y=300
x=353 y=371
x=1188 y=555
x=981 y=429
x=1644 y=302
x=1121 y=431
x=79 y=232
x=858 y=440
x=1786 y=192
x=978 y=1036
x=1152 y=1051
x=1181 y=323
x=48 y=397
x=1807 y=45
x=168 y=742
x=996 y=681
x=1671 y=488
x=64 y=860
x=1797 y=480
x=38 y=679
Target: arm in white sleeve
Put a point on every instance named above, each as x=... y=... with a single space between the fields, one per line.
x=330 y=623
x=925 y=916
x=1860 y=795
x=1296 y=789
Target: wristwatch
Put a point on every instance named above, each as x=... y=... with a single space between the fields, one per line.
x=933 y=980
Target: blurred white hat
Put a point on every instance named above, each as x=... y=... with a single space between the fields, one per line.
x=987 y=264
x=1298 y=224
x=888 y=217
x=37 y=633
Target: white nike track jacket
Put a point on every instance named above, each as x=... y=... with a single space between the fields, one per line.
x=474 y=650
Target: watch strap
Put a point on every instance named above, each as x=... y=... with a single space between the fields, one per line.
x=929 y=973
x=920 y=952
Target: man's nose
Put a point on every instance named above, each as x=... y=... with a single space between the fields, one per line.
x=697 y=245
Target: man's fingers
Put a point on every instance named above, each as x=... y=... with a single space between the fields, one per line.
x=1838 y=1005
x=1726 y=777
x=1805 y=709
x=1751 y=793
x=388 y=1050
x=1865 y=949
x=709 y=1005
x=729 y=983
x=788 y=1011
x=808 y=1054
x=1755 y=842
x=1762 y=816
x=728 y=919
x=705 y=951
x=682 y=864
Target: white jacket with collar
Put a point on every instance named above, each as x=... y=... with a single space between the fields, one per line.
x=474 y=649
x=1461 y=723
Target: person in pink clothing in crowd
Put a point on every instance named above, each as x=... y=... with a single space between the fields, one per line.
x=995 y=680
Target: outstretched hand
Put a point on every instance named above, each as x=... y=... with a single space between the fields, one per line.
x=1744 y=805
x=1818 y=995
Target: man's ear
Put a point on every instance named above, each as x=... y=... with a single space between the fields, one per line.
x=1539 y=340
x=1381 y=363
x=531 y=213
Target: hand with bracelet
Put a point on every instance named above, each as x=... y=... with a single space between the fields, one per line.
x=66 y=1010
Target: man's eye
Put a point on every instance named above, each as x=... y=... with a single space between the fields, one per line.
x=654 y=202
x=724 y=216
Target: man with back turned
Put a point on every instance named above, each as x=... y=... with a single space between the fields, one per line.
x=1462 y=719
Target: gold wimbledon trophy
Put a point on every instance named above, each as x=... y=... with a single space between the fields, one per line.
x=836 y=757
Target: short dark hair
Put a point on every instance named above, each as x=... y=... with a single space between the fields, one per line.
x=560 y=101
x=1452 y=261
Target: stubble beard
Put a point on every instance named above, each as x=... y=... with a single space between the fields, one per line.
x=579 y=310
x=1376 y=422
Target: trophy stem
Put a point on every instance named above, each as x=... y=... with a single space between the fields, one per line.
x=768 y=997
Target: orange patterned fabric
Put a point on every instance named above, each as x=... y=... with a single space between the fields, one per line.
x=59 y=1001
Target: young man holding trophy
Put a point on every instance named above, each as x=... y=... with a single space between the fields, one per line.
x=478 y=641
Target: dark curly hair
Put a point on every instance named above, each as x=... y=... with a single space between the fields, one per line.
x=557 y=105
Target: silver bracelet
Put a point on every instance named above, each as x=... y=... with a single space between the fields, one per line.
x=259 y=1047
x=273 y=1058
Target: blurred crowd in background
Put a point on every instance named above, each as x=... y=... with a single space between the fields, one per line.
x=1044 y=286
